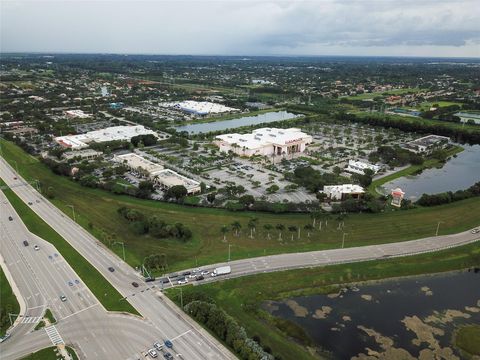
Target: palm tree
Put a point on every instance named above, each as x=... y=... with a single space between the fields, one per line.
x=268 y=228
x=280 y=228
x=292 y=229
x=236 y=226
x=224 y=230
x=252 y=223
x=308 y=228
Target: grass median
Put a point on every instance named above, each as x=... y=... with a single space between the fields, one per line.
x=50 y=353
x=110 y=298
x=8 y=303
x=242 y=297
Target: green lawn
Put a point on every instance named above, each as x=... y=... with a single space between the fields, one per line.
x=8 y=303
x=467 y=338
x=207 y=246
x=101 y=288
x=242 y=297
x=49 y=354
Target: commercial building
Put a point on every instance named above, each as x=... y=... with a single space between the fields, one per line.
x=340 y=192
x=87 y=154
x=108 y=134
x=203 y=108
x=359 y=167
x=165 y=178
x=265 y=142
x=76 y=114
x=427 y=144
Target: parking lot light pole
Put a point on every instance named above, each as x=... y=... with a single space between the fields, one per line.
x=73 y=210
x=343 y=239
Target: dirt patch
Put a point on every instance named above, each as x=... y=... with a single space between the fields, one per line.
x=346 y=318
x=366 y=297
x=472 y=309
x=426 y=290
x=424 y=332
x=270 y=306
x=322 y=313
x=334 y=295
x=298 y=310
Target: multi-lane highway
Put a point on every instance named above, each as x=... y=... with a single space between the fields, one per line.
x=163 y=316
x=40 y=278
x=191 y=340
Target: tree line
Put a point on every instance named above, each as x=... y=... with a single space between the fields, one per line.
x=449 y=196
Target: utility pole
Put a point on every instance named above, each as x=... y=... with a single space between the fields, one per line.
x=343 y=239
x=229 y=251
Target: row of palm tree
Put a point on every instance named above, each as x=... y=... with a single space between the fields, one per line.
x=236 y=226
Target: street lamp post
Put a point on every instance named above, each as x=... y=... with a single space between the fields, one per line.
x=123 y=247
x=73 y=211
x=438 y=227
x=229 y=251
x=343 y=239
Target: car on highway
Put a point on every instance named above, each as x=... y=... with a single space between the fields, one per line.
x=36 y=248
x=164 y=280
x=168 y=344
x=199 y=277
x=25 y=243
x=149 y=279
x=111 y=269
x=168 y=356
x=205 y=272
x=15 y=178
x=135 y=284
x=182 y=281
x=63 y=298
x=30 y=203
x=152 y=353
x=158 y=346
x=4 y=337
x=10 y=218
x=476 y=231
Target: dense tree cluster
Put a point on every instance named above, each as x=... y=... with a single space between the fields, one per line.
x=394 y=156
x=448 y=197
x=153 y=225
x=145 y=140
x=227 y=329
x=313 y=180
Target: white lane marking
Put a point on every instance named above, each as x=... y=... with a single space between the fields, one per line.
x=53 y=335
x=179 y=336
x=79 y=311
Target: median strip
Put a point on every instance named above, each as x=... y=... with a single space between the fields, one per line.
x=108 y=296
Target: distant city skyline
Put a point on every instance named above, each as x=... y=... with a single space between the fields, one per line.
x=442 y=28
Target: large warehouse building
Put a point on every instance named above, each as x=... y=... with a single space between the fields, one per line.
x=265 y=142
x=203 y=108
x=108 y=134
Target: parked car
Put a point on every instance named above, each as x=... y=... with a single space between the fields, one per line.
x=25 y=243
x=63 y=298
x=168 y=344
x=168 y=356
x=111 y=269
x=158 y=346
x=10 y=218
x=135 y=284
x=36 y=248
x=152 y=353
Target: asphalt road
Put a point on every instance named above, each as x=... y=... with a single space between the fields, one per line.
x=190 y=340
x=41 y=277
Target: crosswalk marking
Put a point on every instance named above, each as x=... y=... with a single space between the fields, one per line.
x=31 y=319
x=54 y=336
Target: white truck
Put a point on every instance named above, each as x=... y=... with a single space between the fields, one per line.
x=222 y=270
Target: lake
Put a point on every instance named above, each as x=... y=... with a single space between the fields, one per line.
x=405 y=315
x=236 y=123
x=458 y=173
x=465 y=116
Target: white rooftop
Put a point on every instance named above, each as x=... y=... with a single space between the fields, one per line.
x=203 y=107
x=266 y=136
x=103 y=135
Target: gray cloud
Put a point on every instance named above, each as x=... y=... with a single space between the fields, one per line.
x=363 y=27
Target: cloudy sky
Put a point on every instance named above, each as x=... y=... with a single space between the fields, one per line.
x=248 y=27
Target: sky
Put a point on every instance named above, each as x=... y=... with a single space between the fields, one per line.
x=443 y=28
